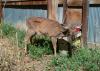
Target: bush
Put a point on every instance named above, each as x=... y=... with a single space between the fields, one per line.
x=41 y=46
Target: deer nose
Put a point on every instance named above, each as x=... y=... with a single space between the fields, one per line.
x=77 y=29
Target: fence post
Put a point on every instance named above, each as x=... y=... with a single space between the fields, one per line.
x=52 y=9
x=84 y=22
x=1 y=13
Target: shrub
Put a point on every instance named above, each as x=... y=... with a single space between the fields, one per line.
x=41 y=46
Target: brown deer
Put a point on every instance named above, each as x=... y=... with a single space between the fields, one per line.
x=43 y=26
x=53 y=29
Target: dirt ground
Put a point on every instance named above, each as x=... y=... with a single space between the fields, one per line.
x=13 y=58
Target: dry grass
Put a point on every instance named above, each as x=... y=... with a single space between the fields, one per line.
x=13 y=58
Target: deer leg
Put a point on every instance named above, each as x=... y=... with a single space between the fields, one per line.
x=54 y=42
x=29 y=33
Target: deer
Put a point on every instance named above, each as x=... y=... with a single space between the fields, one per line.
x=52 y=28
x=44 y=26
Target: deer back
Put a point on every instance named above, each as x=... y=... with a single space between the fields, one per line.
x=45 y=26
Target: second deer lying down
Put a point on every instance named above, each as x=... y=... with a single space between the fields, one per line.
x=43 y=26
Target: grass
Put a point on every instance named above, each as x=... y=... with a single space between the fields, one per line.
x=9 y=31
x=40 y=44
x=83 y=59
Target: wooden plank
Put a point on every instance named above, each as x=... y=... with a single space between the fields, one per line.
x=44 y=2
x=1 y=11
x=84 y=23
x=52 y=9
x=74 y=2
x=24 y=0
x=34 y=2
x=25 y=3
x=94 y=1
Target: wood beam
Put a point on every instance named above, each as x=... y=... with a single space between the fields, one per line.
x=52 y=9
x=84 y=23
x=25 y=3
x=36 y=2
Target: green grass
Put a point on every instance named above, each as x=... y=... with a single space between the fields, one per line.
x=83 y=59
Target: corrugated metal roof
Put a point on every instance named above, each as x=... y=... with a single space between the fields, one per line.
x=94 y=24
